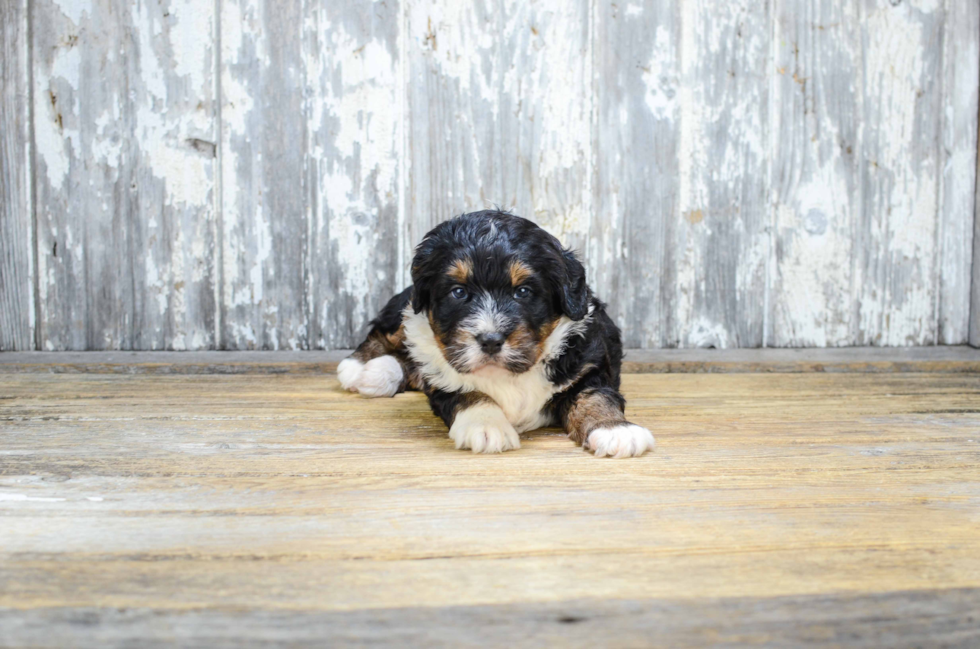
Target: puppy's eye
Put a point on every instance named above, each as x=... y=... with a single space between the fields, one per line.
x=458 y=292
x=522 y=292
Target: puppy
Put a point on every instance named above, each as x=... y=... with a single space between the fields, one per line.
x=501 y=331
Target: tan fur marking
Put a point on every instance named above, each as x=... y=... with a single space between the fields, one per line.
x=397 y=339
x=469 y=399
x=519 y=272
x=436 y=332
x=379 y=344
x=520 y=337
x=461 y=270
x=543 y=334
x=591 y=410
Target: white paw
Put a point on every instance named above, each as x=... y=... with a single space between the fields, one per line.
x=348 y=371
x=485 y=429
x=625 y=440
x=379 y=377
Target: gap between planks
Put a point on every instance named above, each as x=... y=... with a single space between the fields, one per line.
x=954 y=359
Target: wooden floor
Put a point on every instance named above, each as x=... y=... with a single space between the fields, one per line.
x=245 y=509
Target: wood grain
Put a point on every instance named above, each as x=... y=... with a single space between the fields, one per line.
x=904 y=619
x=862 y=103
x=681 y=224
x=958 y=163
x=499 y=102
x=16 y=206
x=735 y=174
x=897 y=257
x=453 y=102
x=311 y=183
x=125 y=138
x=201 y=497
x=943 y=359
x=815 y=185
x=975 y=284
x=265 y=240
x=718 y=243
x=637 y=78
x=545 y=148
x=354 y=102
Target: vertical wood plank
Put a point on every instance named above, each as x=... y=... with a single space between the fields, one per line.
x=815 y=169
x=265 y=242
x=16 y=223
x=856 y=172
x=958 y=160
x=680 y=240
x=354 y=96
x=311 y=126
x=125 y=145
x=975 y=283
x=544 y=115
x=897 y=252
x=453 y=103
x=637 y=85
x=717 y=251
x=499 y=96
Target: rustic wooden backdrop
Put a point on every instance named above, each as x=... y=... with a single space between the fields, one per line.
x=239 y=174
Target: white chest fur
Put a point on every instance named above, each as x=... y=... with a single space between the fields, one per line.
x=522 y=397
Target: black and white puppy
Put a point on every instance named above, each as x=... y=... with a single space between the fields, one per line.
x=501 y=331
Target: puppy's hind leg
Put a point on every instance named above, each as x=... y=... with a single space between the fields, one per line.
x=379 y=365
x=595 y=419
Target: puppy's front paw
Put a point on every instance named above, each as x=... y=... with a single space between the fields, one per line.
x=624 y=440
x=485 y=429
x=347 y=372
x=379 y=377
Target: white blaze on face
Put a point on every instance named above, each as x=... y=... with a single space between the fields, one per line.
x=484 y=320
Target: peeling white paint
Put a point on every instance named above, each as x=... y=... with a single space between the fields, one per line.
x=448 y=29
x=194 y=27
x=961 y=63
x=704 y=333
x=514 y=101
x=353 y=122
x=660 y=75
x=74 y=10
x=55 y=143
x=904 y=180
x=721 y=161
x=547 y=80
x=8 y=497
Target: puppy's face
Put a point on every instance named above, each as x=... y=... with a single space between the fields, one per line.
x=494 y=286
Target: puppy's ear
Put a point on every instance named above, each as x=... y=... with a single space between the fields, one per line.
x=573 y=292
x=420 y=298
x=567 y=278
x=422 y=273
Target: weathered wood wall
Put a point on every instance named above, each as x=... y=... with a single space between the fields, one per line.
x=16 y=232
x=124 y=132
x=250 y=174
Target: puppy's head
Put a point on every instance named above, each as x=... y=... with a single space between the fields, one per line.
x=494 y=286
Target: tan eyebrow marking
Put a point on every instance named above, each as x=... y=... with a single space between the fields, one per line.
x=461 y=270
x=519 y=272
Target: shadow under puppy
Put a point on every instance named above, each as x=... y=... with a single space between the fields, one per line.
x=501 y=331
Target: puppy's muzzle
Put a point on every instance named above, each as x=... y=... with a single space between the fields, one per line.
x=491 y=343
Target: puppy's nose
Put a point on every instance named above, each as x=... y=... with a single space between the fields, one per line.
x=490 y=343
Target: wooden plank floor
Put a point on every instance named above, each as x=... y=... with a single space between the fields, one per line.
x=249 y=509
